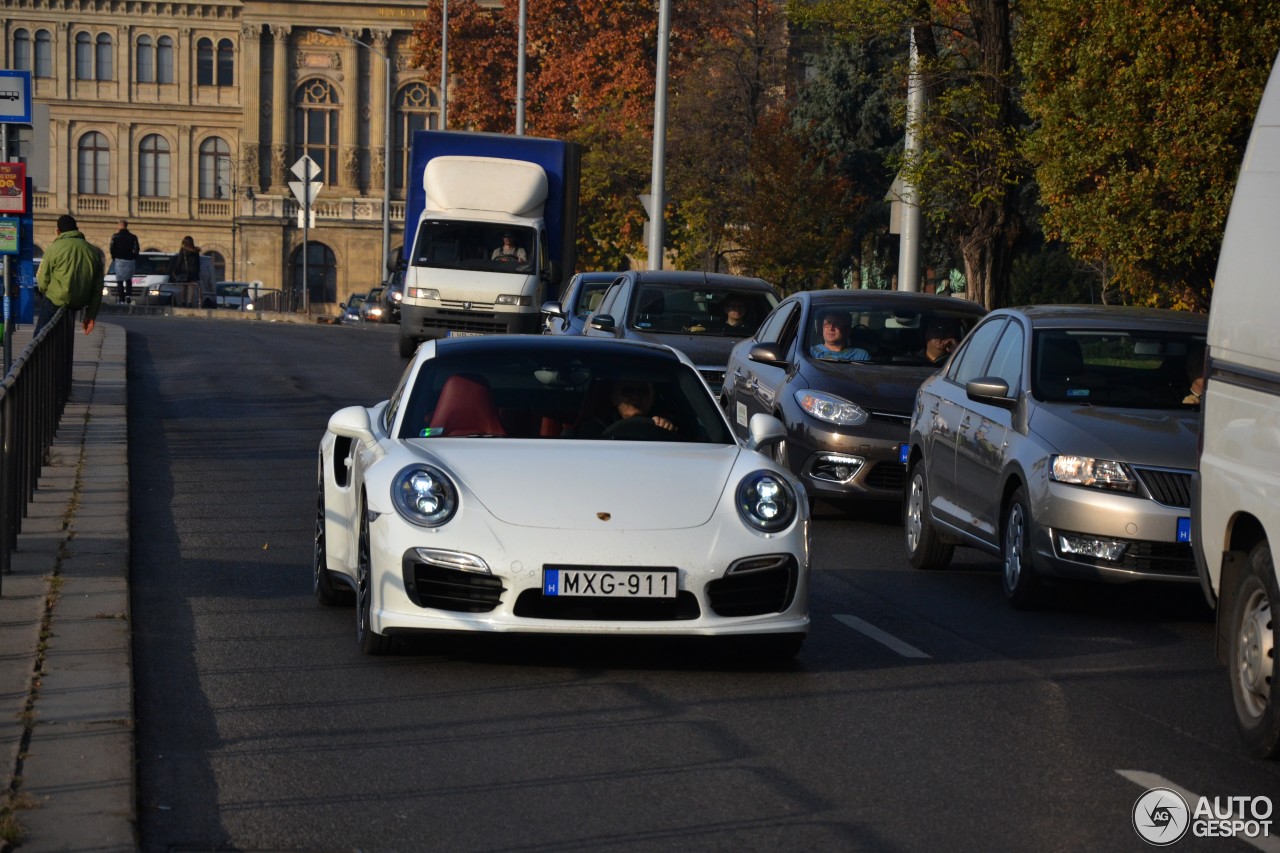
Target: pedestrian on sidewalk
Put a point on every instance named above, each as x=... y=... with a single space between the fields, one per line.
x=185 y=266
x=70 y=276
x=124 y=254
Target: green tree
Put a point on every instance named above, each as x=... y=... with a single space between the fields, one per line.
x=971 y=164
x=1143 y=109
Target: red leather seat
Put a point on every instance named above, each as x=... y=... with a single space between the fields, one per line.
x=466 y=407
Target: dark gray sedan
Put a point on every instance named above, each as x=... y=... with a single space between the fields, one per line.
x=701 y=314
x=840 y=368
x=1061 y=439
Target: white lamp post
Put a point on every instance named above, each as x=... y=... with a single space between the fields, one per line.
x=386 y=144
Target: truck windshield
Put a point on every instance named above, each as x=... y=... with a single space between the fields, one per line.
x=486 y=246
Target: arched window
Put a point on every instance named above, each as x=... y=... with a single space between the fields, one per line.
x=219 y=265
x=204 y=62
x=21 y=50
x=153 y=166
x=417 y=109
x=215 y=168
x=322 y=273
x=94 y=159
x=146 y=61
x=103 y=54
x=44 y=54
x=315 y=126
x=226 y=63
x=84 y=56
x=164 y=60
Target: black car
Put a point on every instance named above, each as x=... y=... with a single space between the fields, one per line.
x=699 y=313
x=582 y=295
x=847 y=409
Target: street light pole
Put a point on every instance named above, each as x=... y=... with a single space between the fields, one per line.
x=388 y=113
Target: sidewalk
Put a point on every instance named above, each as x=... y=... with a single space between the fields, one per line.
x=66 y=683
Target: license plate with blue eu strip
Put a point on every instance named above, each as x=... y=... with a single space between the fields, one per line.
x=608 y=583
x=1184 y=529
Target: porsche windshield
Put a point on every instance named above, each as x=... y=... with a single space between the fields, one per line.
x=518 y=392
x=484 y=246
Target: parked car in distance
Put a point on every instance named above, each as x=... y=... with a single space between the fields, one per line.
x=246 y=296
x=195 y=294
x=847 y=420
x=424 y=501
x=684 y=310
x=351 y=309
x=1235 y=513
x=392 y=296
x=151 y=269
x=373 y=310
x=1058 y=439
x=582 y=295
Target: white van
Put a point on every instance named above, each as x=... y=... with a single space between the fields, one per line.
x=1236 y=495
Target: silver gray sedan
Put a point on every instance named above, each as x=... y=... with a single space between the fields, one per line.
x=1061 y=439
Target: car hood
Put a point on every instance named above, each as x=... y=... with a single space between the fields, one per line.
x=701 y=349
x=884 y=387
x=566 y=485
x=1158 y=437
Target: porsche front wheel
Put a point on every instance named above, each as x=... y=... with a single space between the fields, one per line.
x=321 y=579
x=370 y=642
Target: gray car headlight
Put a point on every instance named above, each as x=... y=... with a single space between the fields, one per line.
x=1087 y=471
x=766 y=501
x=424 y=495
x=830 y=408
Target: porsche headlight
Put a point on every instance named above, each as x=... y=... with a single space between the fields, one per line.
x=766 y=501
x=424 y=495
x=830 y=408
x=1087 y=471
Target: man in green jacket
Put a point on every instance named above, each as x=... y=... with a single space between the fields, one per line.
x=70 y=276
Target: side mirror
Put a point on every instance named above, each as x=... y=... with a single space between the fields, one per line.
x=764 y=431
x=991 y=390
x=351 y=422
x=553 y=309
x=604 y=323
x=772 y=354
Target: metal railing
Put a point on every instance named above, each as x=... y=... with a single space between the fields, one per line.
x=33 y=395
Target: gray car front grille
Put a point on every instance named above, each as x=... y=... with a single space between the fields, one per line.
x=1168 y=486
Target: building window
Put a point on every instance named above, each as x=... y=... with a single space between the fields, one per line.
x=215 y=168
x=322 y=272
x=204 y=62
x=95 y=165
x=226 y=63
x=21 y=50
x=417 y=109
x=146 y=60
x=103 y=54
x=164 y=60
x=315 y=127
x=219 y=265
x=84 y=56
x=44 y=54
x=153 y=166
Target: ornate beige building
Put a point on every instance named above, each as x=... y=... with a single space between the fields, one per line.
x=185 y=117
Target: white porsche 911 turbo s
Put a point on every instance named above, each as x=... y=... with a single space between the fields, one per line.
x=559 y=485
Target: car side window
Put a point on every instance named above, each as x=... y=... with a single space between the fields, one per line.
x=1006 y=362
x=977 y=351
x=774 y=326
x=610 y=299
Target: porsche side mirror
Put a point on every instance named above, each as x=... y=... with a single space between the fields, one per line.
x=351 y=422
x=764 y=431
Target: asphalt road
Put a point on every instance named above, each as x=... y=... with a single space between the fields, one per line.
x=922 y=714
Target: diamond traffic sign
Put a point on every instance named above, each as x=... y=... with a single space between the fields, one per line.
x=311 y=190
x=306 y=168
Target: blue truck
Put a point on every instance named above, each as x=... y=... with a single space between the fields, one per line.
x=490 y=230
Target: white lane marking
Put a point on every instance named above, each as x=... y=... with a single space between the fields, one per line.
x=884 y=638
x=1147 y=781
